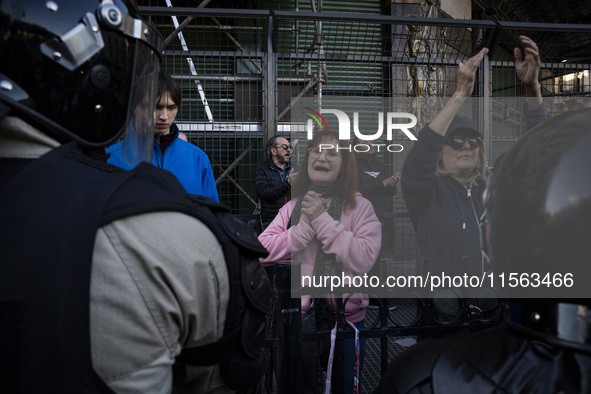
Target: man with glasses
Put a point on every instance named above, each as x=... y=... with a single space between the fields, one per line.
x=273 y=179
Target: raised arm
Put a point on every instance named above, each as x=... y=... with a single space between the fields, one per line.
x=466 y=78
x=527 y=68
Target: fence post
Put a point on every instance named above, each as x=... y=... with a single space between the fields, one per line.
x=289 y=329
x=270 y=84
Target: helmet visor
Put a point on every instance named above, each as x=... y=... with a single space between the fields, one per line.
x=139 y=128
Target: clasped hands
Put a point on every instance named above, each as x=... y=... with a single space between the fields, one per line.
x=313 y=205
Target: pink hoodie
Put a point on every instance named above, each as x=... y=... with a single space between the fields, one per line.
x=355 y=240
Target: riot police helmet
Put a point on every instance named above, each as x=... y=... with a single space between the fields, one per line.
x=81 y=70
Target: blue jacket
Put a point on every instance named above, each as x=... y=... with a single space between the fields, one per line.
x=186 y=161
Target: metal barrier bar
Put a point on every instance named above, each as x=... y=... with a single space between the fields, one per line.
x=290 y=336
x=288 y=370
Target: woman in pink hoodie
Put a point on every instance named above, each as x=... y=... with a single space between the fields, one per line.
x=327 y=221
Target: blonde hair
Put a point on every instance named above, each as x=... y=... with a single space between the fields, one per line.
x=481 y=169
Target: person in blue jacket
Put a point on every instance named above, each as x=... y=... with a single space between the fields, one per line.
x=186 y=161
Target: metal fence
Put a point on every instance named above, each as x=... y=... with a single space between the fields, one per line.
x=241 y=71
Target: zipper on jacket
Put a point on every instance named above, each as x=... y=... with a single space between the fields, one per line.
x=472 y=205
x=477 y=222
x=155 y=152
x=469 y=194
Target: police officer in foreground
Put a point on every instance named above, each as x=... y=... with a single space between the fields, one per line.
x=538 y=220
x=106 y=276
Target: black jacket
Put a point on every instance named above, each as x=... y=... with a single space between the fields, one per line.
x=271 y=190
x=60 y=200
x=371 y=175
x=443 y=212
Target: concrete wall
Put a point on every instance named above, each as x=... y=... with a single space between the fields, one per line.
x=457 y=9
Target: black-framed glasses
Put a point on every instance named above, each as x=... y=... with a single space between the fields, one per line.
x=457 y=142
x=285 y=147
x=329 y=154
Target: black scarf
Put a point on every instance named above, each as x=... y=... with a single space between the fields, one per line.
x=325 y=263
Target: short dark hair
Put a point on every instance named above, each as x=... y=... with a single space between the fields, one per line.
x=272 y=143
x=166 y=84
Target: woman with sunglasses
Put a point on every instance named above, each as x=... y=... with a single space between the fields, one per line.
x=444 y=173
x=327 y=226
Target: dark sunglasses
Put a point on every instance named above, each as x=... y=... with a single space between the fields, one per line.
x=457 y=143
x=285 y=147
